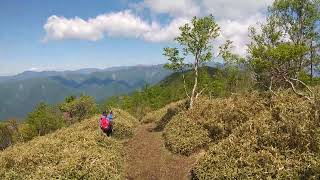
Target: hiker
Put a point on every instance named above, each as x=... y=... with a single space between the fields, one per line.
x=110 y=118
x=105 y=124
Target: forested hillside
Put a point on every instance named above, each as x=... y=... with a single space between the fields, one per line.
x=21 y=93
x=216 y=82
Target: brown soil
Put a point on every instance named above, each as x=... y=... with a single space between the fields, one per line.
x=147 y=158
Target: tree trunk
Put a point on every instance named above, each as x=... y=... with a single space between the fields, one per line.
x=193 y=95
x=311 y=61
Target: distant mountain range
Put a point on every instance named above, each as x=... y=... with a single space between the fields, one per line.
x=20 y=93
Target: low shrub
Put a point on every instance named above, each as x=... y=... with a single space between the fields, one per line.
x=159 y=115
x=222 y=116
x=79 y=108
x=280 y=142
x=154 y=116
x=184 y=135
x=124 y=124
x=8 y=131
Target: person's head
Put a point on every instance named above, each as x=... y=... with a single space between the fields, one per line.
x=110 y=112
x=104 y=113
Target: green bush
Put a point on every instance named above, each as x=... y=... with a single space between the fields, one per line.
x=79 y=108
x=43 y=120
x=184 y=135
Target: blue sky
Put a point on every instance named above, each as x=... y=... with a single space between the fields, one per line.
x=74 y=34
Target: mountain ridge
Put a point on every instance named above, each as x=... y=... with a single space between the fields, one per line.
x=19 y=95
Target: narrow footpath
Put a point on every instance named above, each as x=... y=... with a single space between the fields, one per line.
x=147 y=158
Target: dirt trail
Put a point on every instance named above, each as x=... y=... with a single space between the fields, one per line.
x=147 y=158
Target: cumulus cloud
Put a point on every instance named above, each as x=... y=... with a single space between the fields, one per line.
x=173 y=7
x=231 y=9
x=120 y=24
x=234 y=17
x=237 y=31
x=166 y=33
x=114 y=24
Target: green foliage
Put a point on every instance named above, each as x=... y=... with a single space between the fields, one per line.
x=217 y=82
x=195 y=40
x=43 y=120
x=79 y=108
x=272 y=60
x=298 y=18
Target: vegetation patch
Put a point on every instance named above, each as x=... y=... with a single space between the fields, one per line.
x=173 y=109
x=184 y=135
x=80 y=151
x=281 y=142
x=124 y=124
x=222 y=116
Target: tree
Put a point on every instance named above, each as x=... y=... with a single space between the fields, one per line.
x=275 y=60
x=195 y=39
x=44 y=119
x=7 y=131
x=79 y=108
x=299 y=21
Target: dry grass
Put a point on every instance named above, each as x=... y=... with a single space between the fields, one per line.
x=80 y=151
x=184 y=135
x=124 y=124
x=159 y=116
x=250 y=136
x=280 y=142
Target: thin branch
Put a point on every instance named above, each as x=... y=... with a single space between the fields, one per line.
x=304 y=84
x=270 y=87
x=199 y=93
x=185 y=86
x=295 y=90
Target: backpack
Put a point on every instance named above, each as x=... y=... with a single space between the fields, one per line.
x=104 y=123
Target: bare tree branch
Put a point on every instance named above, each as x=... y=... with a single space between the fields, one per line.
x=295 y=90
x=199 y=93
x=270 y=87
x=312 y=94
x=185 y=87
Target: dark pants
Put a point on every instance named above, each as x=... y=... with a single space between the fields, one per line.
x=108 y=130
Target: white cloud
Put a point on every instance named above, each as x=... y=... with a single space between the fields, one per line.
x=234 y=17
x=34 y=69
x=120 y=24
x=231 y=9
x=173 y=7
x=167 y=33
x=58 y=28
x=237 y=31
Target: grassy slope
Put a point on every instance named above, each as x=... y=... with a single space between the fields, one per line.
x=80 y=151
x=247 y=136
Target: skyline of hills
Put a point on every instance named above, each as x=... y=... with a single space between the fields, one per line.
x=20 y=93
